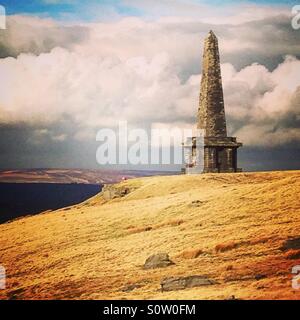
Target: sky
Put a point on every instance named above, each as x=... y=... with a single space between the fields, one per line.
x=69 y=68
x=57 y=8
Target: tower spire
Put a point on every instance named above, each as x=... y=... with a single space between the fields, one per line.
x=211 y=113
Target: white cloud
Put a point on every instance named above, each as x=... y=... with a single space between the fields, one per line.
x=263 y=101
x=147 y=72
x=61 y=137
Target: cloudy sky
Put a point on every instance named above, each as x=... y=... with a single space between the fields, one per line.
x=69 y=68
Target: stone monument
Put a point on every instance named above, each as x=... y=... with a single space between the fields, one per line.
x=220 y=151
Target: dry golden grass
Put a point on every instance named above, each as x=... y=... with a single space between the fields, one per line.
x=96 y=248
x=222 y=247
x=190 y=254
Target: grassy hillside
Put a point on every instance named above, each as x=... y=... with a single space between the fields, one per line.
x=230 y=227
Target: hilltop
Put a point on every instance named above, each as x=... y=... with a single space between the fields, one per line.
x=240 y=230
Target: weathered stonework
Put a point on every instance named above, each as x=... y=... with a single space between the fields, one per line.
x=211 y=113
x=220 y=151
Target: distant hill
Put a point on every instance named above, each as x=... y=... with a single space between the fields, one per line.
x=73 y=175
x=241 y=231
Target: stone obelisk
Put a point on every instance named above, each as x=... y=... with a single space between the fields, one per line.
x=220 y=151
x=211 y=114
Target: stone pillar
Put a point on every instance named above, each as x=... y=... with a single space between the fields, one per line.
x=210 y=159
x=211 y=113
x=229 y=159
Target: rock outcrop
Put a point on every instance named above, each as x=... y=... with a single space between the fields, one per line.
x=110 y=191
x=160 y=260
x=180 y=283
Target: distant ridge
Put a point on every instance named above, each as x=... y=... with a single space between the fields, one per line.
x=74 y=175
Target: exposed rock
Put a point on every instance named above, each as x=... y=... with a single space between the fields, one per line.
x=110 y=192
x=180 y=283
x=159 y=260
x=293 y=243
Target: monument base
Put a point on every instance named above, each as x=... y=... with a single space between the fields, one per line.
x=220 y=154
